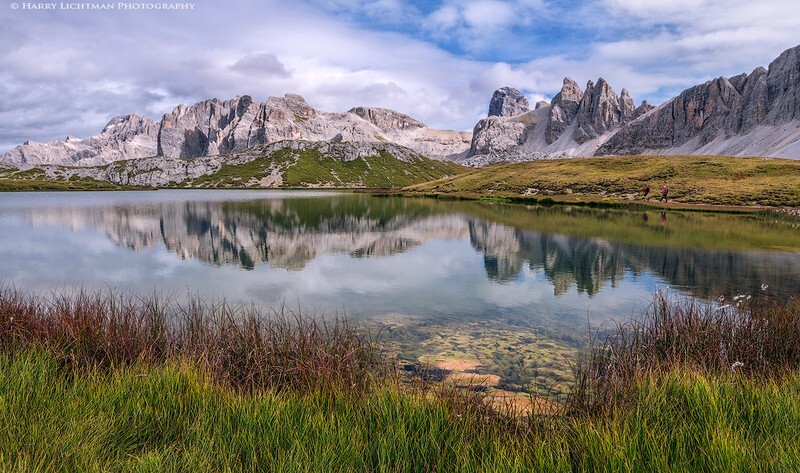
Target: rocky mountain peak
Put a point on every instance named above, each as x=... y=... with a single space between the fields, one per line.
x=564 y=109
x=117 y=121
x=508 y=102
x=783 y=87
x=626 y=104
x=747 y=114
x=569 y=98
x=294 y=103
x=131 y=122
x=600 y=111
x=385 y=119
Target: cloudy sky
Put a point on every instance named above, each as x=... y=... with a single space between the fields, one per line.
x=68 y=71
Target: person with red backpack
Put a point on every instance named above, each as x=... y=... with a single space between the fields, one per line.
x=664 y=192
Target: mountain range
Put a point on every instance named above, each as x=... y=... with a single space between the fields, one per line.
x=756 y=114
x=215 y=127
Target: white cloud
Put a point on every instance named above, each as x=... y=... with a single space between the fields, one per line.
x=261 y=64
x=477 y=25
x=656 y=9
x=62 y=75
x=491 y=14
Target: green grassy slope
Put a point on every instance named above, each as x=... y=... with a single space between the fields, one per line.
x=310 y=168
x=691 y=179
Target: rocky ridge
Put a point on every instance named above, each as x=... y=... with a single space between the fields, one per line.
x=215 y=127
x=127 y=137
x=574 y=123
x=160 y=171
x=748 y=114
x=756 y=114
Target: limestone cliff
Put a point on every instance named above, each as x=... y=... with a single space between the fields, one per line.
x=213 y=127
x=127 y=137
x=573 y=124
x=756 y=114
x=750 y=114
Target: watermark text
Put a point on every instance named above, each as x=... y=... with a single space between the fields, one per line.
x=102 y=6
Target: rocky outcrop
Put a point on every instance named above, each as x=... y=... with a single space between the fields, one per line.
x=563 y=109
x=126 y=137
x=386 y=120
x=748 y=114
x=215 y=127
x=601 y=110
x=756 y=114
x=161 y=171
x=573 y=124
x=508 y=102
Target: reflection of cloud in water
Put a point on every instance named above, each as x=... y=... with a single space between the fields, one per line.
x=361 y=254
x=432 y=277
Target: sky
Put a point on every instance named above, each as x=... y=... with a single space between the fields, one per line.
x=67 y=68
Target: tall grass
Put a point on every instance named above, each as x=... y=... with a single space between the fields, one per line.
x=242 y=346
x=114 y=382
x=757 y=339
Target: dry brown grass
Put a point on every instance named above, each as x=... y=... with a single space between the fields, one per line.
x=241 y=346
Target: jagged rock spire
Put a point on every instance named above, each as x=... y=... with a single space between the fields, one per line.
x=508 y=102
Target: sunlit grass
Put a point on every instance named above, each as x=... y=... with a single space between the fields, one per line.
x=718 y=180
x=310 y=168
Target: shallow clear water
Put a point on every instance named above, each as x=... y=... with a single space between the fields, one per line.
x=506 y=286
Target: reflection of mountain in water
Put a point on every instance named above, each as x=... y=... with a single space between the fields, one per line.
x=275 y=232
x=284 y=233
x=288 y=233
x=589 y=263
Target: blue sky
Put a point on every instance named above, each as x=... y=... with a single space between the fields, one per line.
x=69 y=71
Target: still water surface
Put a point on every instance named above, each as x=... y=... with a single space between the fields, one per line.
x=509 y=287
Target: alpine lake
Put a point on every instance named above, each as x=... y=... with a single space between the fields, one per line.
x=502 y=295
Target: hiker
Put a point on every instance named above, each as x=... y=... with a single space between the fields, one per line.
x=646 y=191
x=664 y=194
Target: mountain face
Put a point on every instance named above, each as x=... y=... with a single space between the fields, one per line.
x=507 y=102
x=127 y=137
x=285 y=163
x=756 y=114
x=214 y=127
x=575 y=123
x=745 y=115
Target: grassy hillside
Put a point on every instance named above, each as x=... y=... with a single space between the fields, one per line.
x=690 y=179
x=310 y=168
x=34 y=179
